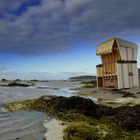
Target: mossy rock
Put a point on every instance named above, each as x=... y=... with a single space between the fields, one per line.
x=98 y=131
x=83 y=125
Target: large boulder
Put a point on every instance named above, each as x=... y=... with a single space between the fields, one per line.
x=128 y=117
x=125 y=116
x=74 y=103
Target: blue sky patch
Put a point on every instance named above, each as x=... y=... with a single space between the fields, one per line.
x=25 y=6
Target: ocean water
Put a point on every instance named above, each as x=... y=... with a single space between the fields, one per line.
x=59 y=88
x=22 y=125
x=28 y=125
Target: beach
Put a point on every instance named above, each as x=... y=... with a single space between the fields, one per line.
x=36 y=121
x=54 y=130
x=40 y=126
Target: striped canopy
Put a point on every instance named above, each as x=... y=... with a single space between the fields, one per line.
x=107 y=46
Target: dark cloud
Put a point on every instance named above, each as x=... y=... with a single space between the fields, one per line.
x=55 y=25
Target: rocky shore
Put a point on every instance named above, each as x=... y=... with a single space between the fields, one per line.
x=16 y=83
x=85 y=113
x=85 y=119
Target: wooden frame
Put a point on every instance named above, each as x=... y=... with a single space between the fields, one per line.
x=119 y=65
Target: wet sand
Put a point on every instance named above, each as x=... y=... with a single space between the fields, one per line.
x=102 y=93
x=23 y=125
x=54 y=130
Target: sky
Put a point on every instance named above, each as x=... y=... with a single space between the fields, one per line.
x=57 y=39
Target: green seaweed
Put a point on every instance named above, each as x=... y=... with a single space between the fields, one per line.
x=98 y=131
x=80 y=127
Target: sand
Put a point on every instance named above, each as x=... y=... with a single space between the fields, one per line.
x=54 y=130
x=121 y=102
x=104 y=93
x=97 y=93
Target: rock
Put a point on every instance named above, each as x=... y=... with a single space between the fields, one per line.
x=106 y=111
x=128 y=117
x=74 y=103
x=125 y=116
x=123 y=93
x=4 y=80
x=21 y=84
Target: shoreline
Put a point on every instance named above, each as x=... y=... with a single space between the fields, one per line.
x=84 y=118
x=54 y=129
x=56 y=107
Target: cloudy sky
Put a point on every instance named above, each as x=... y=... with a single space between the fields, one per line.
x=55 y=39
